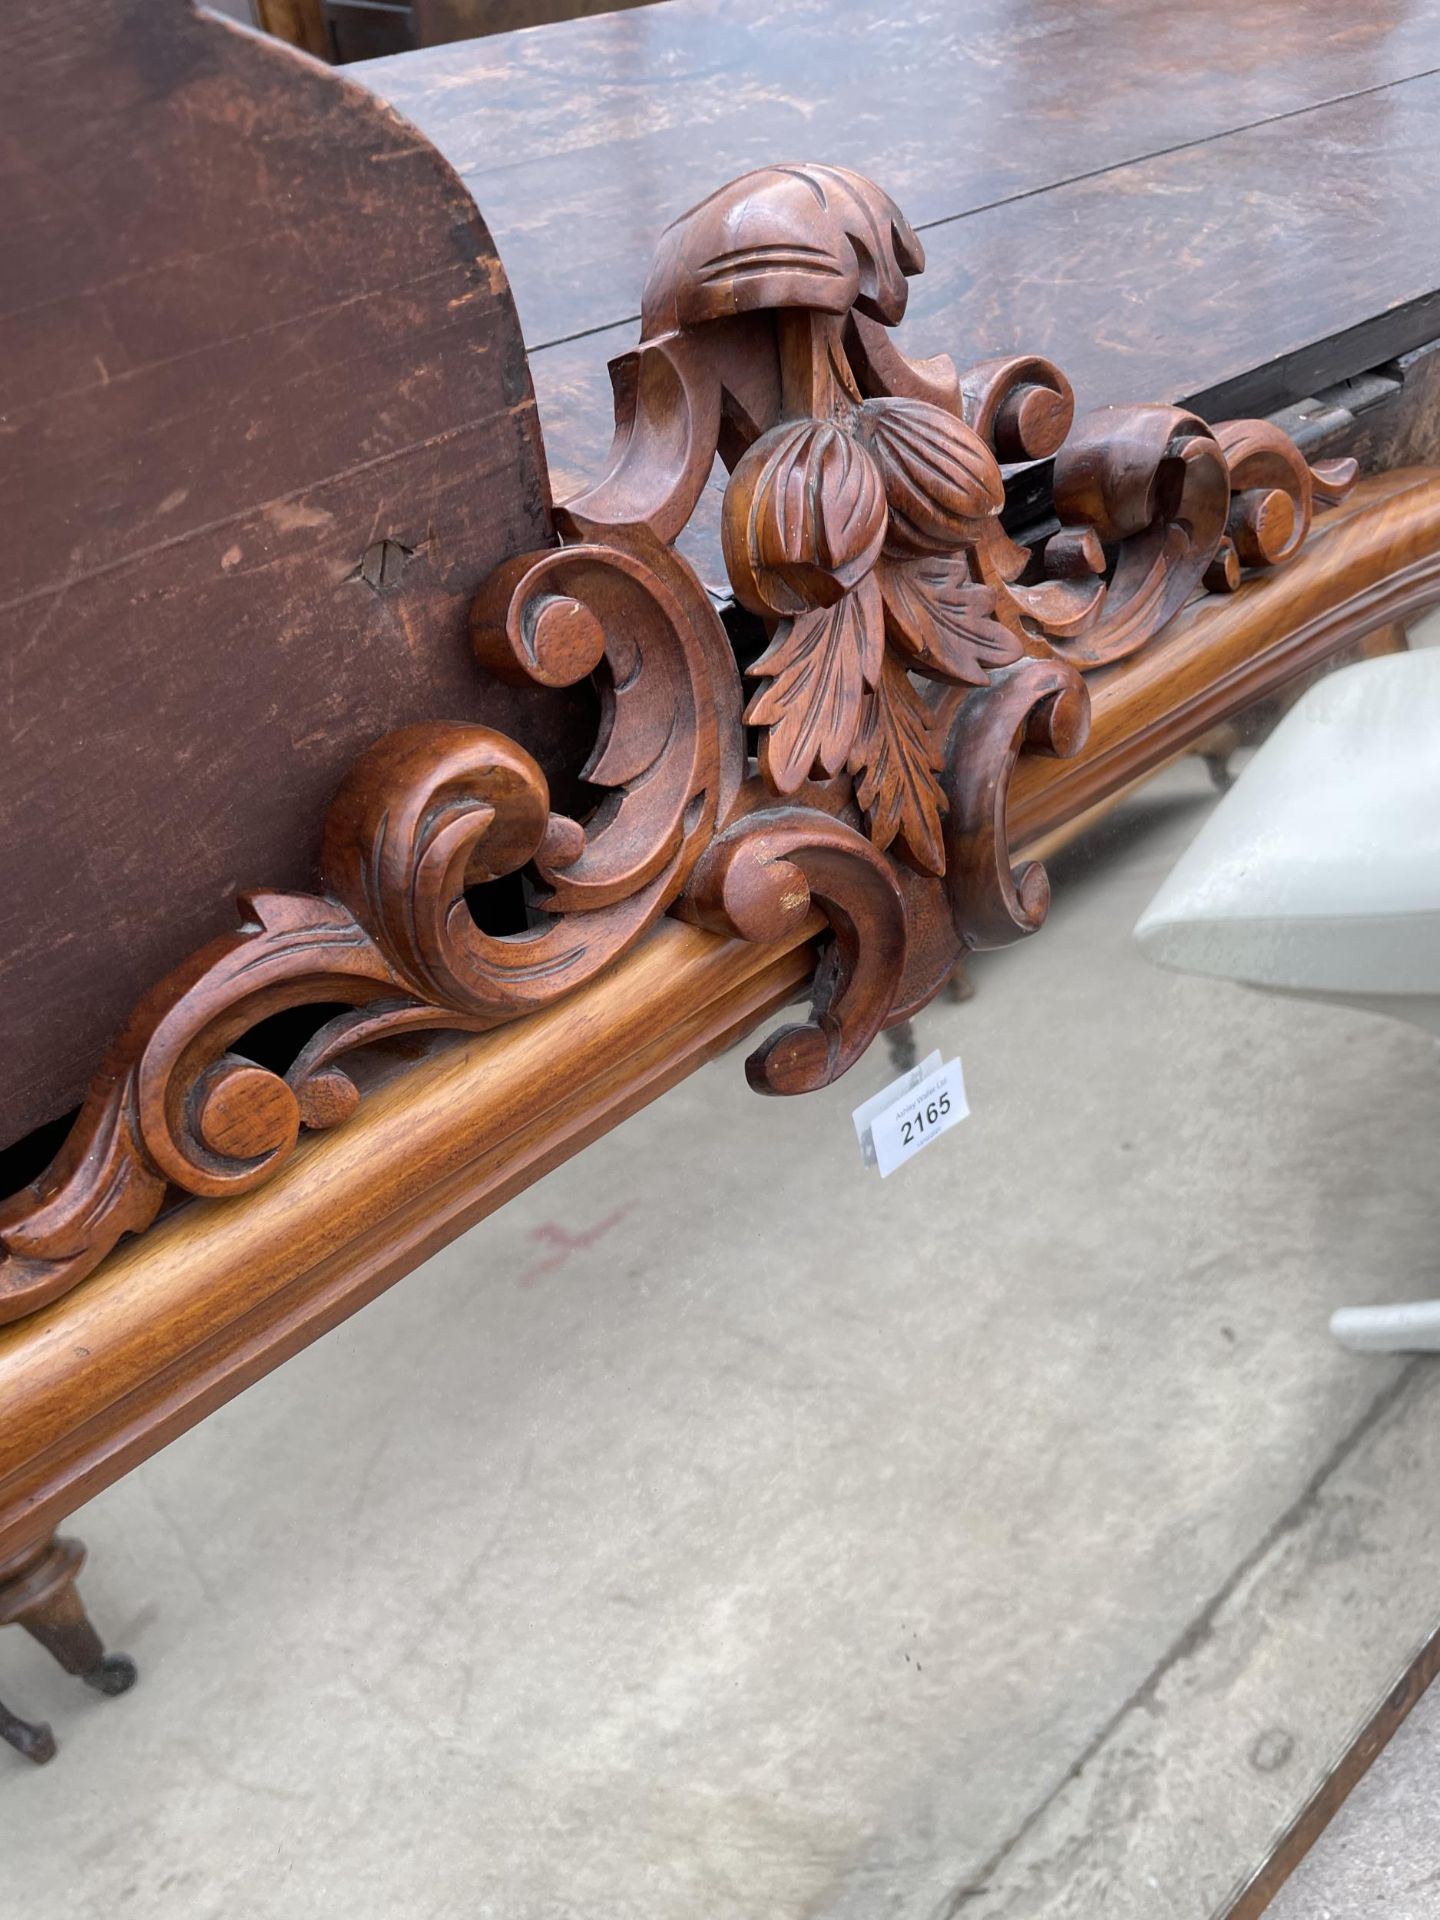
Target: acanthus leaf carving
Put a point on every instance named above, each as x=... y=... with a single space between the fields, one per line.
x=914 y=652
x=943 y=625
x=1037 y=706
x=896 y=758
x=759 y=879
x=816 y=671
x=811 y=236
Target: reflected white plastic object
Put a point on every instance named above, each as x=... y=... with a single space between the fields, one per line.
x=1318 y=874
x=1413 y=1327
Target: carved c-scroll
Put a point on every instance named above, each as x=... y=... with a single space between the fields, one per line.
x=914 y=651
x=759 y=879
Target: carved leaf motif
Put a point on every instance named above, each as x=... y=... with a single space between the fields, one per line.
x=784 y=236
x=817 y=669
x=942 y=623
x=804 y=518
x=940 y=477
x=898 y=756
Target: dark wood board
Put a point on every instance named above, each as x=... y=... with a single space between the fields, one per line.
x=438 y=21
x=250 y=328
x=1241 y=273
x=581 y=141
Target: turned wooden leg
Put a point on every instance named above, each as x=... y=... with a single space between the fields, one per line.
x=38 y=1593
x=1249 y=728
x=961 y=987
x=900 y=1043
x=1215 y=749
x=36 y=1742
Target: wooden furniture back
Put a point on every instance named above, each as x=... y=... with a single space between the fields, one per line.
x=1090 y=183
x=273 y=413
x=269 y=423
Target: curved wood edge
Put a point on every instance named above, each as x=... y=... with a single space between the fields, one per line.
x=1362 y=1750
x=1374 y=560
x=180 y=1320
x=916 y=654
x=314 y=361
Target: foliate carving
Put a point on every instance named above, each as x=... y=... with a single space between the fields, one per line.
x=1039 y=706
x=424 y=816
x=759 y=879
x=915 y=651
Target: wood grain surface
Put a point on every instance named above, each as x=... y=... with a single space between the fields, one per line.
x=436 y=21
x=581 y=143
x=212 y=1297
x=1090 y=183
x=268 y=425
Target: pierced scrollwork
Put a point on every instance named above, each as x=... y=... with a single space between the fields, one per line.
x=426 y=815
x=914 y=651
x=760 y=879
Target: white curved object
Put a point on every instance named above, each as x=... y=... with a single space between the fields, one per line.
x=1318 y=874
x=1412 y=1327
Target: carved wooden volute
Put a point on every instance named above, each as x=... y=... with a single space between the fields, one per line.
x=915 y=651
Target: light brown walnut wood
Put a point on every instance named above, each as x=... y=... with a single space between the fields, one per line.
x=217 y=1293
x=825 y=784
x=915 y=656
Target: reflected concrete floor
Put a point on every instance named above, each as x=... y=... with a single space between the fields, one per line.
x=1380 y=1857
x=722 y=1531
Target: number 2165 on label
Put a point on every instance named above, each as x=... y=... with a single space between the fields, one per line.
x=919 y=1116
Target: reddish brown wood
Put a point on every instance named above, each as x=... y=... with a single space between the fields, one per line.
x=1234 y=146
x=915 y=653
x=301 y=22
x=437 y=21
x=920 y=702
x=38 y=1592
x=1350 y=1768
x=268 y=426
x=211 y=1297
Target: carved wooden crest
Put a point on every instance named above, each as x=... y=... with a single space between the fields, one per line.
x=915 y=651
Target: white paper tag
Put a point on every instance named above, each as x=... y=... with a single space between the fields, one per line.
x=878 y=1103
x=864 y=1115
x=921 y=1114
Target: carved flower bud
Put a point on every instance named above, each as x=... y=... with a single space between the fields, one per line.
x=804 y=518
x=940 y=477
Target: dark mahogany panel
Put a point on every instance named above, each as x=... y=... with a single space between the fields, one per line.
x=581 y=141
x=1241 y=273
x=268 y=423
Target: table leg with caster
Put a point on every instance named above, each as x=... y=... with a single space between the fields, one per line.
x=38 y=1592
x=34 y=1740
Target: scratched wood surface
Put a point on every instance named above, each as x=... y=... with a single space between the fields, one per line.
x=1094 y=183
x=580 y=142
x=1236 y=276
x=436 y=21
x=237 y=355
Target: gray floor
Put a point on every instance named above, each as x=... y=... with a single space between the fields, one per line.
x=721 y=1531
x=1380 y=1858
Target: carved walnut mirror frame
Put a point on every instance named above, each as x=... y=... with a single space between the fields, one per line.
x=915 y=653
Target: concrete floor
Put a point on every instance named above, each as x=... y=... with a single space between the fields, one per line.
x=721 y=1531
x=1380 y=1857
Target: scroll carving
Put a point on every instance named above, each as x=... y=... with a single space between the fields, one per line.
x=914 y=652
